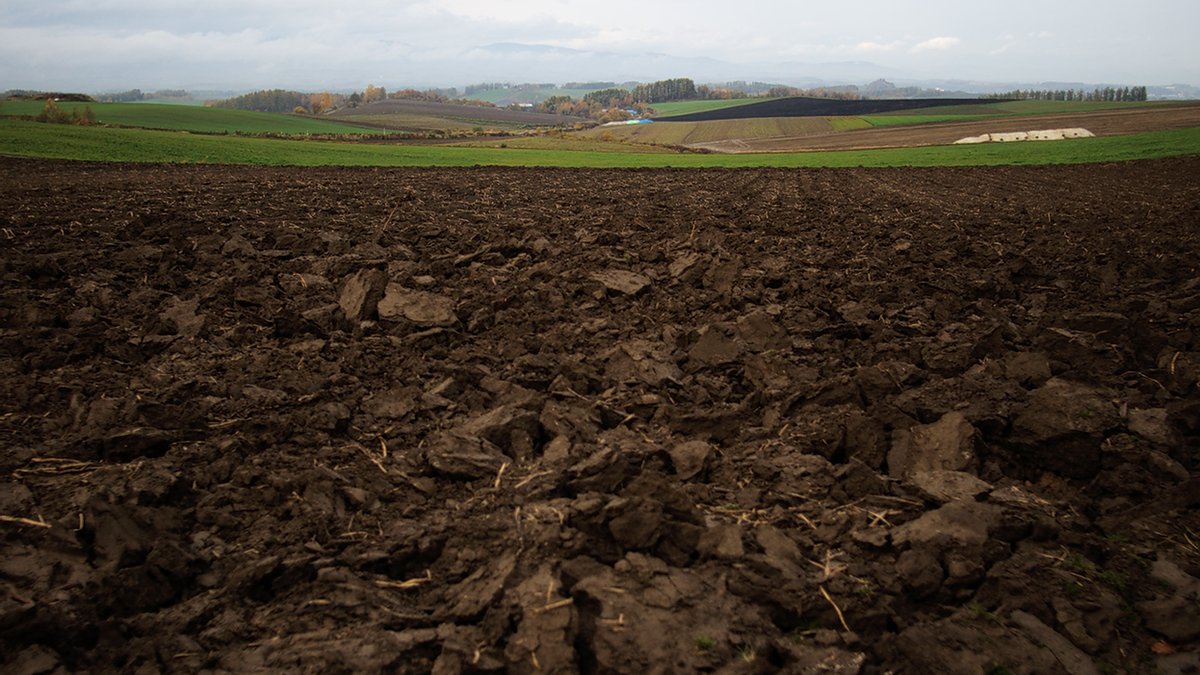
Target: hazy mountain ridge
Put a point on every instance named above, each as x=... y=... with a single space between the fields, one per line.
x=518 y=62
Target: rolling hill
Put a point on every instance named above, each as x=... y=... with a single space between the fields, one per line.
x=423 y=115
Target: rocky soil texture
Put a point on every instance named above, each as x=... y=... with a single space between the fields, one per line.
x=551 y=421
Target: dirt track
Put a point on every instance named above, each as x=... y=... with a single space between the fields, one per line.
x=1103 y=123
x=505 y=420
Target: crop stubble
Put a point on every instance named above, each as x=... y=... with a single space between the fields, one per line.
x=608 y=421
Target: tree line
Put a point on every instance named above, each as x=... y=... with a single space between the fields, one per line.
x=481 y=87
x=846 y=93
x=1097 y=94
x=134 y=95
x=267 y=100
x=616 y=103
x=284 y=100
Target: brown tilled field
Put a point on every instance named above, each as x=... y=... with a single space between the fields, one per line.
x=382 y=109
x=1101 y=123
x=525 y=420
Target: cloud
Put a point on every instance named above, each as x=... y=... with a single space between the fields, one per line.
x=98 y=45
x=936 y=44
x=867 y=47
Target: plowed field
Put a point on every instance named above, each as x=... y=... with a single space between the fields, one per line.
x=538 y=420
x=799 y=106
x=1101 y=123
x=401 y=110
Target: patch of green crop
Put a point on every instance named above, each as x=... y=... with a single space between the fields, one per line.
x=671 y=108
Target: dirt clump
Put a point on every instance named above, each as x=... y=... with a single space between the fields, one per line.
x=519 y=420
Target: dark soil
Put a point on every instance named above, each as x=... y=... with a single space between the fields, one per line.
x=505 y=420
x=801 y=106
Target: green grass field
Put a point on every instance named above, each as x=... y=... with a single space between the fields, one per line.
x=572 y=143
x=31 y=139
x=195 y=118
x=689 y=107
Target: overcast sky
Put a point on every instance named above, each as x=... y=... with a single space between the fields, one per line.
x=104 y=45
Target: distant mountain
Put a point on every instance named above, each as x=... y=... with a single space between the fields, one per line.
x=527 y=62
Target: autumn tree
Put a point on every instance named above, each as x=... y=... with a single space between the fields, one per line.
x=55 y=115
x=373 y=93
x=320 y=103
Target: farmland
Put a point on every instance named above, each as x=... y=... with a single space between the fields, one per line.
x=687 y=107
x=798 y=106
x=195 y=118
x=525 y=94
x=424 y=115
x=909 y=129
x=343 y=419
x=562 y=143
x=29 y=139
x=409 y=133
x=688 y=133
